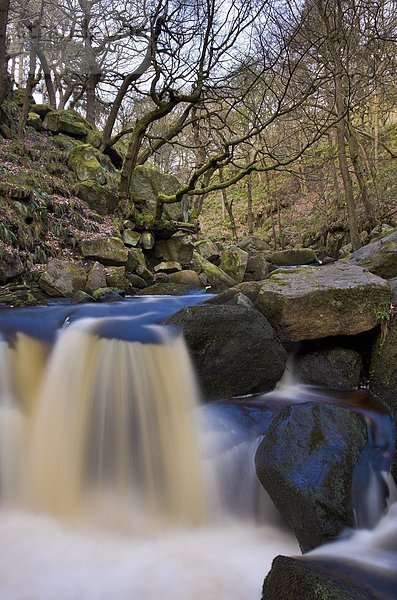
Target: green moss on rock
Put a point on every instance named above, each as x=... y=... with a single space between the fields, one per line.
x=107 y=250
x=82 y=161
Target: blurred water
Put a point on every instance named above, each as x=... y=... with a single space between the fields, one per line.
x=114 y=484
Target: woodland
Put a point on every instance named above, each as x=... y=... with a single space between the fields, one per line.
x=276 y=117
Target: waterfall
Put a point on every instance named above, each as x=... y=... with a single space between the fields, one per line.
x=109 y=431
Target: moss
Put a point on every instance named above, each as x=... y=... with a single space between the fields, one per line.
x=82 y=161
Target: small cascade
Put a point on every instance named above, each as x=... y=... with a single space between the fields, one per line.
x=109 y=431
x=100 y=428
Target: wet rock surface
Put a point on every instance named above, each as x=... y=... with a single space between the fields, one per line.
x=234 y=349
x=306 y=462
x=325 y=579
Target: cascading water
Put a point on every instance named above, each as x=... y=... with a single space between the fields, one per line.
x=113 y=484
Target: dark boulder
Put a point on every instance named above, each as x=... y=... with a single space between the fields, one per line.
x=234 y=349
x=305 y=462
x=325 y=579
x=336 y=368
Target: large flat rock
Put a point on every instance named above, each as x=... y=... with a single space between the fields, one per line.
x=316 y=302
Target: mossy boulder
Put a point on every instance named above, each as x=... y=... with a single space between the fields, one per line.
x=108 y=250
x=167 y=289
x=10 y=264
x=62 y=278
x=135 y=258
x=146 y=184
x=171 y=266
x=208 y=250
x=41 y=109
x=147 y=240
x=98 y=197
x=82 y=161
x=108 y=294
x=131 y=237
x=316 y=302
x=379 y=257
x=383 y=375
x=218 y=279
x=234 y=262
x=234 y=349
x=33 y=121
x=115 y=277
x=68 y=122
x=185 y=277
x=94 y=138
x=178 y=247
x=305 y=463
x=20 y=295
x=292 y=256
x=96 y=278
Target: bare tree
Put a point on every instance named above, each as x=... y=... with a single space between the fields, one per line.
x=4 y=78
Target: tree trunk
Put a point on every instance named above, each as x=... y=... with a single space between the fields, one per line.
x=348 y=187
x=47 y=77
x=31 y=82
x=335 y=41
x=339 y=200
x=250 y=214
x=360 y=172
x=4 y=78
x=90 y=94
x=134 y=146
x=229 y=209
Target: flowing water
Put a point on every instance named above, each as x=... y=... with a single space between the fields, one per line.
x=114 y=483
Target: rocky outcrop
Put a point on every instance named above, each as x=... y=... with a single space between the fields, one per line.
x=234 y=349
x=383 y=375
x=98 y=197
x=305 y=462
x=107 y=250
x=234 y=262
x=336 y=368
x=62 y=278
x=379 y=257
x=315 y=302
